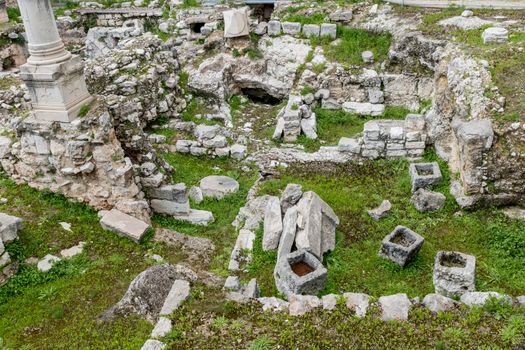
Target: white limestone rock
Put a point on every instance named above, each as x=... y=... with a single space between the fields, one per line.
x=481 y=298
x=179 y=292
x=301 y=304
x=47 y=262
x=196 y=217
x=364 y=108
x=195 y=194
x=273 y=224
x=329 y=302
x=9 y=227
x=382 y=211
x=162 y=327
x=73 y=251
x=395 y=307
x=495 y=35
x=291 y=195
x=439 y=303
x=232 y=283
x=273 y=304
x=152 y=344
x=358 y=302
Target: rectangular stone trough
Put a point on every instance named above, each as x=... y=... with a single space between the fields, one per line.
x=454 y=273
x=401 y=246
x=424 y=175
x=300 y=272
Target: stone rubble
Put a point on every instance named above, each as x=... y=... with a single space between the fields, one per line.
x=425 y=200
x=382 y=211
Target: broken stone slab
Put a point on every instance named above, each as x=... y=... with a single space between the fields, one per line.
x=349 y=145
x=162 y=327
x=124 y=224
x=273 y=304
x=495 y=35
x=218 y=186
x=152 y=344
x=364 y=108
x=273 y=224
x=358 y=302
x=395 y=307
x=196 y=217
x=521 y=300
x=244 y=243
x=166 y=207
x=382 y=211
x=47 y=262
x=317 y=223
x=300 y=272
x=424 y=174
x=439 y=303
x=251 y=290
x=301 y=304
x=274 y=28
x=329 y=302
x=148 y=291
x=291 y=195
x=206 y=132
x=292 y=28
x=454 y=273
x=73 y=251
x=425 y=200
x=401 y=245
x=9 y=227
x=180 y=291
x=481 y=298
x=288 y=234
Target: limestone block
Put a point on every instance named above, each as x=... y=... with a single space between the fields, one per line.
x=481 y=298
x=274 y=28
x=196 y=217
x=381 y=211
x=238 y=151
x=166 y=207
x=162 y=327
x=291 y=28
x=309 y=127
x=311 y=30
x=454 y=273
x=364 y=108
x=368 y=57
x=495 y=35
x=179 y=292
x=236 y=23
x=329 y=30
x=301 y=304
x=273 y=224
x=177 y=193
x=291 y=195
x=288 y=234
x=349 y=145
x=425 y=200
x=152 y=344
x=395 y=307
x=439 y=303
x=9 y=227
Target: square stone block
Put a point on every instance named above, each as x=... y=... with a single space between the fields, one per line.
x=300 y=272
x=424 y=174
x=401 y=245
x=454 y=273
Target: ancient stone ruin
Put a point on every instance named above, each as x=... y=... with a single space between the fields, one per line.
x=290 y=156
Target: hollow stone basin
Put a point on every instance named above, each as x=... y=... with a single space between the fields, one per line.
x=300 y=272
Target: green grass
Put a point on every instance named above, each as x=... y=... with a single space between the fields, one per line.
x=315 y=18
x=43 y=310
x=247 y=327
x=353 y=43
x=497 y=242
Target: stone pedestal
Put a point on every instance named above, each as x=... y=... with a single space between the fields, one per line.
x=53 y=76
x=4 y=18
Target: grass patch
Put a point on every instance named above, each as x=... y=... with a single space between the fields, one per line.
x=353 y=43
x=315 y=18
x=351 y=189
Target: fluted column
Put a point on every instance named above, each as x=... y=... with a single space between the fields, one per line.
x=53 y=76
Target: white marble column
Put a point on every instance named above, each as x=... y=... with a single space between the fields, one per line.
x=3 y=12
x=53 y=76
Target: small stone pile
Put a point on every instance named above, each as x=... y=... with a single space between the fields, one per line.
x=9 y=228
x=211 y=139
x=391 y=139
x=294 y=118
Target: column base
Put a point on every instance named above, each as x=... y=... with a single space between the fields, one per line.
x=58 y=91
